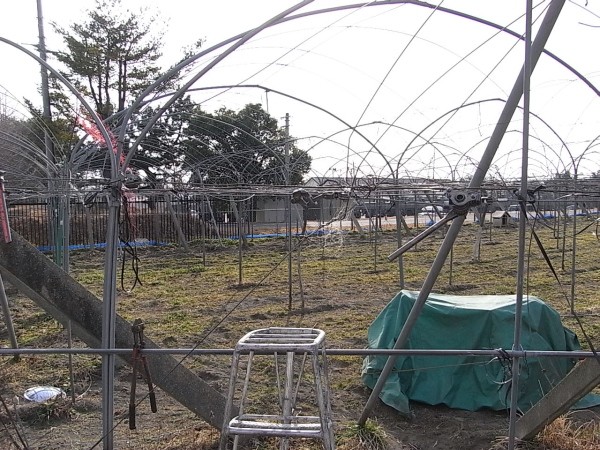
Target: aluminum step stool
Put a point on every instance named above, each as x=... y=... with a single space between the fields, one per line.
x=285 y=342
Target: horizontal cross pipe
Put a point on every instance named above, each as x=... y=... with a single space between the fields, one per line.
x=331 y=352
x=34 y=275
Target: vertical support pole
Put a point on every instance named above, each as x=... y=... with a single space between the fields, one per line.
x=89 y=226
x=556 y=221
x=64 y=205
x=71 y=374
x=182 y=240
x=156 y=211
x=451 y=268
x=206 y=198
x=241 y=239
x=203 y=230
x=288 y=207
x=378 y=213
x=8 y=318
x=109 y=308
x=514 y=387
x=574 y=245
x=45 y=88
x=288 y=396
x=564 y=236
x=6 y=237
x=399 y=240
x=240 y=251
x=484 y=164
x=415 y=214
x=4 y=225
x=238 y=217
x=55 y=218
x=321 y=222
x=109 y=291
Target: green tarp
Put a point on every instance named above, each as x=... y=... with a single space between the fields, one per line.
x=467 y=322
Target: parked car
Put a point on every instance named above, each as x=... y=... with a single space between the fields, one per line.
x=377 y=208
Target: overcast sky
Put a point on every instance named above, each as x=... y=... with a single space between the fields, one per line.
x=186 y=21
x=392 y=71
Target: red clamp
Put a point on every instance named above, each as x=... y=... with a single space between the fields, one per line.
x=4 y=225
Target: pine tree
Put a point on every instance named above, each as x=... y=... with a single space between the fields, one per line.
x=112 y=55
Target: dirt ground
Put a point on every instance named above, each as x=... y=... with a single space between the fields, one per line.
x=342 y=283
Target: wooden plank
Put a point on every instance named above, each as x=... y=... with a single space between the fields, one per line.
x=580 y=381
x=65 y=299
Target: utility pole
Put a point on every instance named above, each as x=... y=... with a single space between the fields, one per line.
x=55 y=209
x=45 y=87
x=494 y=141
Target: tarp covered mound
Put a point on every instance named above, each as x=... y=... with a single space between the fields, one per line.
x=467 y=322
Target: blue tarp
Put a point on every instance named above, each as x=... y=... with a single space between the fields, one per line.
x=144 y=243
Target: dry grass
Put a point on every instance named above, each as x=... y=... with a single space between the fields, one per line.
x=567 y=434
x=564 y=433
x=346 y=281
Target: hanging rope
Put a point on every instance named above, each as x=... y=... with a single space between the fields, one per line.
x=127 y=236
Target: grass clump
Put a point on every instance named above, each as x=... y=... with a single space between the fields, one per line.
x=370 y=436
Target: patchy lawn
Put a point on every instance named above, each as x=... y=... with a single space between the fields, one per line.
x=340 y=282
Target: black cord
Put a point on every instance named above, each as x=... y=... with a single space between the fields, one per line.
x=556 y=277
x=127 y=228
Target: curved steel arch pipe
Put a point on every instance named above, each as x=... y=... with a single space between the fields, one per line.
x=478 y=178
x=245 y=37
x=285 y=17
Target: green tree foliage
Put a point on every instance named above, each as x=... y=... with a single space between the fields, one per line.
x=112 y=55
x=60 y=128
x=225 y=147
x=246 y=146
x=161 y=154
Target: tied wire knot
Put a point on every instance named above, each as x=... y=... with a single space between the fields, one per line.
x=139 y=362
